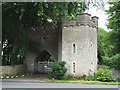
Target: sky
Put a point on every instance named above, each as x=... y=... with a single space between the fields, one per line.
x=101 y=14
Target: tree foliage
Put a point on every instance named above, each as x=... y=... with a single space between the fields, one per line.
x=114 y=15
x=107 y=55
x=114 y=24
x=102 y=38
x=108 y=44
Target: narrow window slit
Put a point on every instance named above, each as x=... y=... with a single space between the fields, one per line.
x=74 y=67
x=74 y=48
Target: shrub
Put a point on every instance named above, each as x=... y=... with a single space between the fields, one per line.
x=58 y=70
x=69 y=77
x=104 y=74
x=115 y=79
x=82 y=77
x=90 y=78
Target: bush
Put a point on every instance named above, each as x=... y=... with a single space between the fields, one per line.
x=69 y=77
x=89 y=78
x=104 y=74
x=58 y=70
x=115 y=79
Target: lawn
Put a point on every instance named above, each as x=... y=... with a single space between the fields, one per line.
x=84 y=82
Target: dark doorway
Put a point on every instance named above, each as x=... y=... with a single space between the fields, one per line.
x=41 y=62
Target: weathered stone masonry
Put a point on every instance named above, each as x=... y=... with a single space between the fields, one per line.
x=75 y=43
x=79 y=45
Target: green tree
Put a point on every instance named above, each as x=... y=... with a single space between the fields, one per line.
x=102 y=44
x=106 y=52
x=112 y=58
x=114 y=25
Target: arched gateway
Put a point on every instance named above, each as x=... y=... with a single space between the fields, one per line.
x=47 y=47
x=41 y=62
x=75 y=43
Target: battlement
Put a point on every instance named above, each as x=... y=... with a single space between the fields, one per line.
x=82 y=19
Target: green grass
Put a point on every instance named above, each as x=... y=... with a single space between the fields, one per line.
x=84 y=82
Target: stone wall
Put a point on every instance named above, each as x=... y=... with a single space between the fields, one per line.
x=116 y=73
x=12 y=69
x=30 y=62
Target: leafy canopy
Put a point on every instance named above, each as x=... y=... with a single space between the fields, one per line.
x=114 y=24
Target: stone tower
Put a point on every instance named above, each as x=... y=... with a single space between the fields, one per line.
x=79 y=44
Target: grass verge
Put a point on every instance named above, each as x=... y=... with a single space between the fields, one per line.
x=84 y=82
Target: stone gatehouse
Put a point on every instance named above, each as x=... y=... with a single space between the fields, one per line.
x=75 y=43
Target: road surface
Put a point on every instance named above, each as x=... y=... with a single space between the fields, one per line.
x=52 y=85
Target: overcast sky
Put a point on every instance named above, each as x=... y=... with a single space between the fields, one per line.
x=101 y=14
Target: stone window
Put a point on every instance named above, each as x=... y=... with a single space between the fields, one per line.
x=74 y=48
x=74 y=67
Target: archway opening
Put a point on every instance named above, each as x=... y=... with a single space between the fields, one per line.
x=42 y=61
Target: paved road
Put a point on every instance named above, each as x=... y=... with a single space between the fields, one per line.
x=52 y=85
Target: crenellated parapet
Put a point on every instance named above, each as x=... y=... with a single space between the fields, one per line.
x=82 y=19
